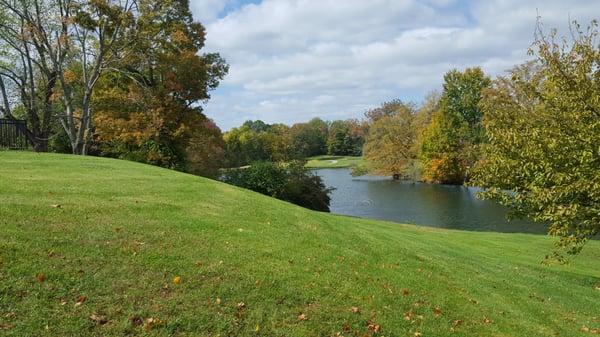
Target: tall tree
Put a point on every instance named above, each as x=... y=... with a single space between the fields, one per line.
x=27 y=77
x=69 y=42
x=542 y=122
x=449 y=144
x=389 y=146
x=149 y=106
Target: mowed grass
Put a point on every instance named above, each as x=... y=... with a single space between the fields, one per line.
x=327 y=161
x=108 y=237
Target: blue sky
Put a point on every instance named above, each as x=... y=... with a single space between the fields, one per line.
x=292 y=60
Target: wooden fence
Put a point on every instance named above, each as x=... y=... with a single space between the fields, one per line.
x=12 y=134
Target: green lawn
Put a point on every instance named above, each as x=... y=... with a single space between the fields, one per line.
x=108 y=238
x=333 y=161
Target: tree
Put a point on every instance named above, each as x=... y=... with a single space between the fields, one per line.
x=148 y=108
x=450 y=143
x=27 y=78
x=346 y=138
x=542 y=122
x=68 y=43
x=389 y=146
x=386 y=109
x=309 y=139
x=205 y=150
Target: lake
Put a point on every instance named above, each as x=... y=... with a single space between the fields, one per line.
x=444 y=206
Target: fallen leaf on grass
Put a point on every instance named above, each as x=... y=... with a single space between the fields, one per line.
x=218 y=301
x=437 y=312
x=408 y=315
x=151 y=323
x=487 y=320
x=80 y=300
x=405 y=292
x=63 y=301
x=257 y=329
x=241 y=305
x=455 y=324
x=593 y=331
x=302 y=317
x=355 y=310
x=473 y=301
x=99 y=319
x=41 y=277
x=418 y=334
x=177 y=280
x=56 y=206
x=373 y=327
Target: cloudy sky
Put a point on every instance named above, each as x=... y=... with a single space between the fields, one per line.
x=292 y=60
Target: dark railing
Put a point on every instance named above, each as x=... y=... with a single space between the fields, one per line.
x=13 y=134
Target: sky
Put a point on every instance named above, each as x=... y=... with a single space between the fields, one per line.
x=293 y=60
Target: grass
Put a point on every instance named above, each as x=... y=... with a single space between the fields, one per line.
x=108 y=237
x=333 y=161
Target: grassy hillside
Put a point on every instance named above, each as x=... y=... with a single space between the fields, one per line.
x=333 y=161
x=98 y=247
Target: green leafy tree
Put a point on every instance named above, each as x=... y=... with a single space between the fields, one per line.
x=339 y=142
x=449 y=145
x=346 y=137
x=542 y=158
x=309 y=139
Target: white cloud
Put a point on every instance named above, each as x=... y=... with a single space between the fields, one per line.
x=292 y=60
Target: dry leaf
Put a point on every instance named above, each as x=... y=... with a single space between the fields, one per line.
x=56 y=206
x=408 y=315
x=80 y=300
x=487 y=320
x=437 y=312
x=151 y=323
x=41 y=277
x=63 y=301
x=99 y=319
x=355 y=310
x=302 y=317
x=405 y=292
x=418 y=334
x=472 y=301
x=241 y=305
x=257 y=329
x=373 y=327
x=177 y=280
x=218 y=301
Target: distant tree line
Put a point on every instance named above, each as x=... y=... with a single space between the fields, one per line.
x=257 y=141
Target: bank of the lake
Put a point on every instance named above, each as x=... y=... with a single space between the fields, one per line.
x=443 y=206
x=327 y=161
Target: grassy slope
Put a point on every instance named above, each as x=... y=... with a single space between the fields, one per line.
x=333 y=161
x=124 y=230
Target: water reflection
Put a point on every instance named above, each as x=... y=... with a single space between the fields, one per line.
x=442 y=206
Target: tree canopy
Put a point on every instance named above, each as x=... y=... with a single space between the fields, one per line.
x=542 y=122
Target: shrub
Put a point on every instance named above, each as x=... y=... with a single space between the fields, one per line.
x=291 y=182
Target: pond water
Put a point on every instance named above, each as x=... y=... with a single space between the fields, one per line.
x=444 y=206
